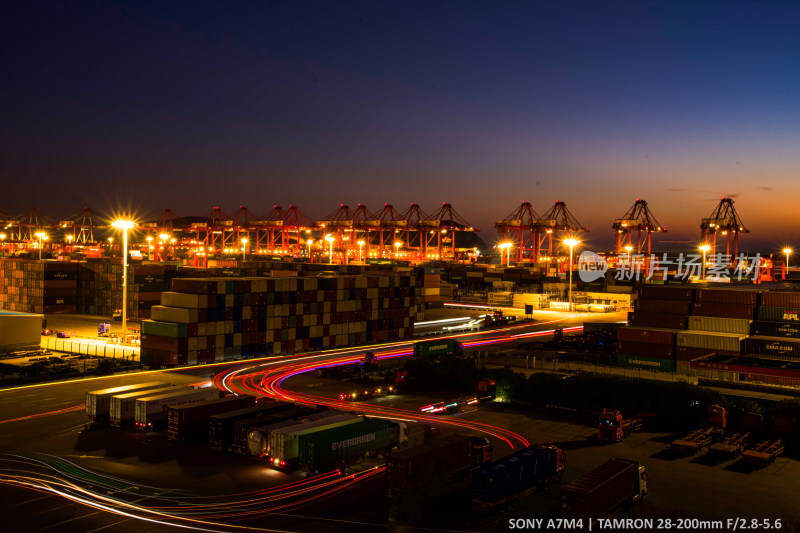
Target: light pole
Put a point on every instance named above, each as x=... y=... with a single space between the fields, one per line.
x=150 y=247
x=244 y=249
x=124 y=225
x=397 y=246
x=309 y=242
x=704 y=248
x=507 y=247
x=787 y=251
x=571 y=243
x=41 y=235
x=360 y=249
x=330 y=239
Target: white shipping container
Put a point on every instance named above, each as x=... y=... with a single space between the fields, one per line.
x=179 y=315
x=153 y=409
x=179 y=299
x=283 y=442
x=709 y=340
x=720 y=325
x=123 y=406
x=98 y=402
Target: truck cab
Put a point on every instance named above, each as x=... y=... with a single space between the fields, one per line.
x=609 y=426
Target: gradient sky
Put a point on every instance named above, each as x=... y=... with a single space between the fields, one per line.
x=484 y=105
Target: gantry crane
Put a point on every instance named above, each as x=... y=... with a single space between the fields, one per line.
x=32 y=223
x=442 y=227
x=217 y=232
x=520 y=228
x=724 y=220
x=556 y=224
x=245 y=225
x=637 y=219
x=390 y=220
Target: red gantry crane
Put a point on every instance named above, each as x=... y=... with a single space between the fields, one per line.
x=725 y=221
x=217 y=232
x=408 y=230
x=520 y=229
x=638 y=219
x=442 y=227
x=338 y=225
x=556 y=224
x=79 y=229
x=245 y=225
x=295 y=225
x=391 y=221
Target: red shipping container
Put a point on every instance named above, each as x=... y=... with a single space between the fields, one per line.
x=683 y=353
x=723 y=310
x=658 y=320
x=641 y=349
x=191 y=330
x=666 y=292
x=729 y=296
x=647 y=335
x=673 y=307
x=780 y=299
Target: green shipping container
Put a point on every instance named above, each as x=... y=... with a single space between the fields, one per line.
x=164 y=329
x=436 y=348
x=645 y=363
x=331 y=446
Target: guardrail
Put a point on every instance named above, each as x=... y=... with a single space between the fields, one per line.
x=89 y=348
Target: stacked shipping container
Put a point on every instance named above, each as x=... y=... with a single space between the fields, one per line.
x=204 y=320
x=38 y=286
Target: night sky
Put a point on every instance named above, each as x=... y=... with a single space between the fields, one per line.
x=158 y=105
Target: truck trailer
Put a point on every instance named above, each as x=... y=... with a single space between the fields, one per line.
x=604 y=490
x=190 y=421
x=500 y=484
x=332 y=448
x=123 y=406
x=98 y=402
x=151 y=411
x=221 y=426
x=284 y=442
x=260 y=443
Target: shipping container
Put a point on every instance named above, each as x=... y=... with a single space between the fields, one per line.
x=123 y=406
x=331 y=448
x=599 y=493
x=436 y=348
x=98 y=402
x=647 y=335
x=745 y=312
x=657 y=320
x=243 y=429
x=656 y=364
x=151 y=411
x=710 y=340
x=221 y=426
x=778 y=314
x=746 y=297
x=781 y=299
x=666 y=292
x=659 y=351
x=682 y=353
x=720 y=325
x=429 y=464
x=284 y=442
x=777 y=329
x=778 y=348
x=672 y=307
x=191 y=421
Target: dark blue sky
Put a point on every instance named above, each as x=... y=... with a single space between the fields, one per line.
x=484 y=105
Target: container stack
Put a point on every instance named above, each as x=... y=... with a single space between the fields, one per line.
x=776 y=333
x=428 y=280
x=209 y=319
x=38 y=286
x=100 y=287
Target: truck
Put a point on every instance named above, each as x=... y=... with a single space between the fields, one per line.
x=606 y=489
x=695 y=441
x=284 y=442
x=190 y=421
x=500 y=485
x=258 y=441
x=98 y=402
x=730 y=446
x=437 y=349
x=612 y=426
x=221 y=427
x=332 y=448
x=243 y=429
x=486 y=390
x=763 y=453
x=123 y=406
x=440 y=461
x=151 y=411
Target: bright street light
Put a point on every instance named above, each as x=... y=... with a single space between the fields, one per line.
x=505 y=246
x=244 y=249
x=397 y=246
x=628 y=249
x=150 y=247
x=704 y=248
x=309 y=242
x=360 y=248
x=124 y=225
x=787 y=251
x=41 y=235
x=572 y=243
x=330 y=239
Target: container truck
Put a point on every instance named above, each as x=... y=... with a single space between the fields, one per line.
x=604 y=490
x=437 y=462
x=613 y=427
x=243 y=428
x=437 y=348
x=98 y=402
x=284 y=442
x=151 y=411
x=190 y=421
x=221 y=426
x=499 y=485
x=328 y=449
x=123 y=406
